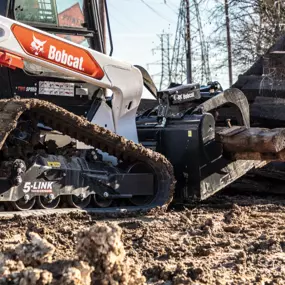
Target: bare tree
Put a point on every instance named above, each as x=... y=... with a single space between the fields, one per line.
x=254 y=24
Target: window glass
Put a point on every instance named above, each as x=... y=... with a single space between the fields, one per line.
x=65 y=13
x=70 y=13
x=40 y=11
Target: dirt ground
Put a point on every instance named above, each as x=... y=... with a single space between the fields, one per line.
x=228 y=240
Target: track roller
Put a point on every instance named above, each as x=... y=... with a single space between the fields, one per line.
x=23 y=204
x=102 y=202
x=76 y=202
x=47 y=202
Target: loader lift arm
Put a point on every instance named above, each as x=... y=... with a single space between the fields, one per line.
x=52 y=52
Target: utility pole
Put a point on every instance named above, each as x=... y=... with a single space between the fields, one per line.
x=188 y=43
x=199 y=68
x=162 y=62
x=102 y=13
x=165 y=78
x=229 y=43
x=164 y=48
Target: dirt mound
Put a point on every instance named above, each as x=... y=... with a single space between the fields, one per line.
x=228 y=240
x=100 y=259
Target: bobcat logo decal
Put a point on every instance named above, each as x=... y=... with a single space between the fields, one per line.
x=37 y=46
x=44 y=47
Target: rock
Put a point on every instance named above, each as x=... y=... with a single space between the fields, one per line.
x=80 y=274
x=8 y=266
x=35 y=277
x=101 y=247
x=29 y=276
x=36 y=252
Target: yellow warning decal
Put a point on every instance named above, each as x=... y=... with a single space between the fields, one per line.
x=54 y=164
x=189 y=134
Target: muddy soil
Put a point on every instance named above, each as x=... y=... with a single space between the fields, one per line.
x=228 y=240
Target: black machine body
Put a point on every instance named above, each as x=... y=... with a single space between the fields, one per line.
x=181 y=131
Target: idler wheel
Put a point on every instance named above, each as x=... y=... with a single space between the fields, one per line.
x=138 y=200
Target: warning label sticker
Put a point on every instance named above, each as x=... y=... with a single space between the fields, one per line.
x=56 y=88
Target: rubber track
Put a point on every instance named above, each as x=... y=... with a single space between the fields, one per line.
x=82 y=130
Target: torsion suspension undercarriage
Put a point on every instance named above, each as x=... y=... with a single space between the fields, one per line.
x=37 y=173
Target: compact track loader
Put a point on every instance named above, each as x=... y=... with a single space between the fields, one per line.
x=110 y=158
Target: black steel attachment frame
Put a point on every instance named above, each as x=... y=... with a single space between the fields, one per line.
x=233 y=96
x=187 y=138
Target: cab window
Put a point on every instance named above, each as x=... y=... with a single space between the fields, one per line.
x=59 y=13
x=62 y=13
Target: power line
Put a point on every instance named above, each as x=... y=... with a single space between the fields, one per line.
x=171 y=9
x=121 y=23
x=128 y=18
x=154 y=11
x=173 y=5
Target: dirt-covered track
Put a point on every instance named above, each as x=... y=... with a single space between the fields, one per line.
x=93 y=135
